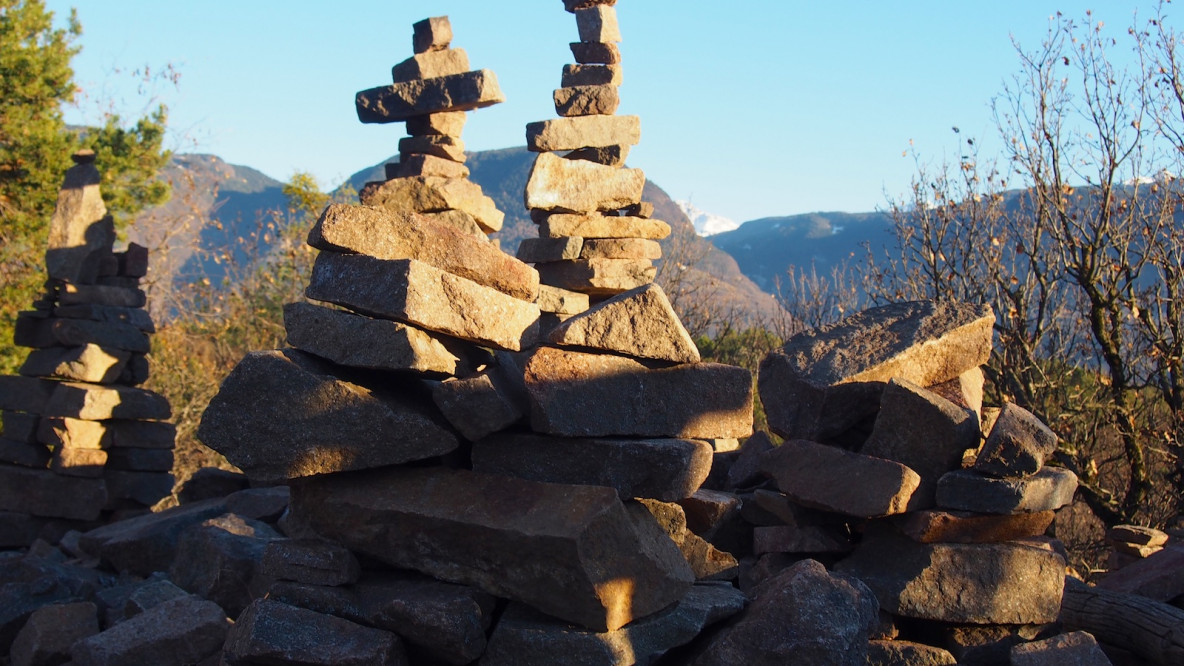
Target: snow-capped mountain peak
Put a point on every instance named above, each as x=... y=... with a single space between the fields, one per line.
x=706 y=224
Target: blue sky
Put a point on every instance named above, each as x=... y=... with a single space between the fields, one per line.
x=749 y=109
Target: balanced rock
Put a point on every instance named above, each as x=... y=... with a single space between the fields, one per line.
x=576 y=186
x=1018 y=444
x=639 y=323
x=598 y=23
x=429 y=194
x=80 y=231
x=218 y=558
x=824 y=381
x=576 y=394
x=663 y=469
x=448 y=123
x=280 y=415
x=431 y=34
x=596 y=52
x=868 y=487
x=438 y=145
x=419 y=294
x=587 y=100
x=562 y=225
x=430 y=65
x=995 y=583
x=966 y=490
x=598 y=276
x=404 y=100
x=570 y=551
x=591 y=75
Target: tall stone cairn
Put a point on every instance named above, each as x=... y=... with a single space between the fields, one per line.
x=81 y=444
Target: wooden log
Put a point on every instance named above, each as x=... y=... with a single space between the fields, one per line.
x=1150 y=629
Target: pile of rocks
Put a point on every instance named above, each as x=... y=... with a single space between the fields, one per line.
x=432 y=90
x=80 y=443
x=595 y=233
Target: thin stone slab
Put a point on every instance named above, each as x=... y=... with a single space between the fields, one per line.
x=924 y=431
x=25 y=454
x=96 y=403
x=613 y=156
x=1018 y=444
x=271 y=632
x=524 y=636
x=429 y=194
x=411 y=166
x=965 y=390
x=598 y=24
x=445 y=147
x=356 y=341
x=576 y=394
x=824 y=381
x=88 y=363
x=1159 y=576
x=96 y=294
x=542 y=250
x=576 y=186
x=592 y=75
x=431 y=34
x=40 y=492
x=25 y=394
x=80 y=231
x=965 y=490
x=140 y=460
x=281 y=415
x=963 y=527
x=596 y=53
x=48 y=332
x=141 y=434
x=587 y=100
x=600 y=277
x=459 y=220
x=561 y=225
x=107 y=314
x=998 y=583
x=448 y=123
x=419 y=294
x=661 y=469
x=640 y=323
x=184 y=630
x=432 y=64
x=147 y=543
x=570 y=551
x=794 y=539
x=620 y=248
x=561 y=301
x=866 y=487
x=401 y=101
x=87 y=463
x=20 y=426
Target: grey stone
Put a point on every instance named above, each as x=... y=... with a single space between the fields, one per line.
x=458 y=92
x=98 y=403
x=41 y=492
x=431 y=64
x=596 y=52
x=271 y=632
x=433 y=195
x=746 y=470
x=25 y=394
x=438 y=145
x=1017 y=445
x=147 y=543
x=823 y=382
x=107 y=314
x=663 y=469
x=140 y=460
x=542 y=250
x=906 y=653
x=25 y=454
x=447 y=123
x=51 y=630
x=87 y=363
x=621 y=248
x=266 y=504
x=795 y=539
x=866 y=486
x=218 y=558
x=177 y=632
x=411 y=166
x=145 y=488
x=140 y=434
x=587 y=100
x=281 y=415
x=425 y=296
x=640 y=322
x=966 y=490
x=210 y=483
x=480 y=405
x=591 y=75
x=524 y=636
x=309 y=561
x=598 y=23
x=152 y=593
x=19 y=426
x=1076 y=648
x=94 y=294
x=561 y=301
x=614 y=156
x=802 y=615
x=570 y=551
x=559 y=225
x=961 y=527
x=80 y=231
x=431 y=34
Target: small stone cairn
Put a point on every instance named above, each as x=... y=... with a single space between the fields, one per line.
x=81 y=445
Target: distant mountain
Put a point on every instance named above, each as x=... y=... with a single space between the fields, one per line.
x=766 y=248
x=706 y=224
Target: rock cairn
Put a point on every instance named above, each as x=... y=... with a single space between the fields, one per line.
x=80 y=443
x=431 y=92
x=596 y=238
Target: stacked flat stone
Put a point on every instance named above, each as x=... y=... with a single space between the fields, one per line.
x=431 y=92
x=80 y=442
x=879 y=413
x=595 y=233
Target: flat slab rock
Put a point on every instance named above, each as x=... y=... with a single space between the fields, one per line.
x=662 y=469
x=639 y=323
x=383 y=234
x=906 y=653
x=431 y=194
x=572 y=552
x=577 y=394
x=998 y=583
x=832 y=479
x=1017 y=445
x=1076 y=648
x=823 y=381
x=524 y=636
x=966 y=490
x=601 y=277
x=563 y=225
x=273 y=632
x=404 y=100
x=424 y=296
x=933 y=526
x=184 y=630
x=583 y=132
x=41 y=492
x=280 y=415
x=577 y=186
x=1159 y=576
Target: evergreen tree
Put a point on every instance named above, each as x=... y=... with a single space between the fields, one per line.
x=36 y=80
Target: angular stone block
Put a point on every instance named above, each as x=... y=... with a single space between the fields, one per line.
x=271 y=632
x=449 y=123
x=431 y=64
x=1017 y=445
x=575 y=394
x=662 y=469
x=601 y=277
x=524 y=636
x=93 y=294
x=427 y=194
x=88 y=363
x=480 y=405
x=869 y=487
x=640 y=323
x=20 y=426
x=458 y=92
x=965 y=490
x=66 y=433
x=310 y=561
x=431 y=34
x=419 y=294
x=41 y=492
x=25 y=394
x=51 y=631
x=218 y=558
x=592 y=75
x=181 y=631
x=907 y=653
x=587 y=101
x=570 y=551
x=824 y=381
x=281 y=415
x=598 y=24
x=107 y=314
x=923 y=431
x=87 y=463
x=576 y=186
x=561 y=225
x=961 y=527
x=561 y=301
x=1076 y=648
x=97 y=403
x=596 y=52
x=146 y=488
x=1159 y=576
x=385 y=235
x=445 y=147
x=620 y=248
x=147 y=543
x=357 y=341
x=410 y=166
x=997 y=583
x=25 y=454
x=613 y=156
x=792 y=539
x=80 y=231
x=542 y=250
x=141 y=434
x=79 y=332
